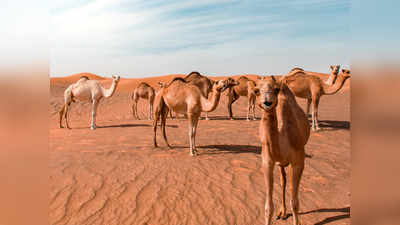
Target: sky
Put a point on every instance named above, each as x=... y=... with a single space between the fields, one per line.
x=140 y=38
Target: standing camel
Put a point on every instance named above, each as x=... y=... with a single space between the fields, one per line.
x=311 y=87
x=145 y=91
x=86 y=90
x=245 y=88
x=202 y=82
x=183 y=97
x=284 y=131
x=332 y=77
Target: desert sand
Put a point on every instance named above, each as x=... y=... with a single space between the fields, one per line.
x=114 y=175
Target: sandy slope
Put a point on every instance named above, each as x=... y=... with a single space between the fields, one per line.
x=113 y=175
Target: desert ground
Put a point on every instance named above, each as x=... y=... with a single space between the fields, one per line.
x=114 y=175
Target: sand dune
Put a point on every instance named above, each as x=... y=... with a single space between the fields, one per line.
x=114 y=175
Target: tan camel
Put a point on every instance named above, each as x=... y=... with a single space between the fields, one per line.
x=245 y=88
x=183 y=97
x=86 y=90
x=284 y=131
x=202 y=82
x=311 y=87
x=145 y=91
x=331 y=79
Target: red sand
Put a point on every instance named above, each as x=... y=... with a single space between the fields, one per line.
x=113 y=175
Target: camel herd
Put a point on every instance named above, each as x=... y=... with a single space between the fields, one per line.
x=284 y=127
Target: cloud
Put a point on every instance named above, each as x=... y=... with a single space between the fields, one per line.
x=106 y=36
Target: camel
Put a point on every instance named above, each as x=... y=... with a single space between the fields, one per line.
x=284 y=131
x=311 y=87
x=86 y=90
x=183 y=97
x=202 y=82
x=145 y=91
x=332 y=77
x=245 y=88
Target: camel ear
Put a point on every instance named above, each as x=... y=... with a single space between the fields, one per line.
x=273 y=78
x=331 y=67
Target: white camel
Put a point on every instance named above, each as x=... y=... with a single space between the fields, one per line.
x=86 y=90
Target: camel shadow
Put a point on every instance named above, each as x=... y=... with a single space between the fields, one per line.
x=227 y=118
x=124 y=125
x=235 y=149
x=333 y=124
x=327 y=220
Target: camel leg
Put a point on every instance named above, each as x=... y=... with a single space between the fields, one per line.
x=94 y=109
x=155 y=120
x=308 y=105
x=164 y=114
x=253 y=106
x=296 y=172
x=207 y=116
x=195 y=123
x=150 y=109
x=61 y=113
x=315 y=103
x=136 y=114
x=282 y=212
x=192 y=122
x=66 y=115
x=231 y=99
x=268 y=168
x=248 y=108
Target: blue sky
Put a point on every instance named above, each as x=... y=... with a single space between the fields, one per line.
x=139 y=38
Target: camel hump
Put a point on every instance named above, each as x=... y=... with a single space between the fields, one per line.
x=84 y=77
x=180 y=79
x=193 y=73
x=143 y=84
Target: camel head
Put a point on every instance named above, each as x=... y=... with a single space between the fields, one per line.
x=346 y=73
x=161 y=84
x=222 y=85
x=267 y=91
x=116 y=78
x=335 y=69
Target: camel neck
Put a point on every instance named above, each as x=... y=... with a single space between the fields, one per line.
x=211 y=103
x=109 y=92
x=332 y=78
x=270 y=134
x=333 y=89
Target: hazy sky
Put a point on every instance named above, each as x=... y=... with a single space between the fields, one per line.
x=137 y=38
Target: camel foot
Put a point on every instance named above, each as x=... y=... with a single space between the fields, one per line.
x=169 y=146
x=93 y=127
x=316 y=129
x=207 y=118
x=194 y=152
x=254 y=118
x=281 y=215
x=69 y=128
x=231 y=118
x=61 y=126
x=248 y=119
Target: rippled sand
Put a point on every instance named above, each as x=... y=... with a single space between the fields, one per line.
x=114 y=175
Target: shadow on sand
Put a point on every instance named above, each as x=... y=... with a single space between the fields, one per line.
x=327 y=220
x=327 y=125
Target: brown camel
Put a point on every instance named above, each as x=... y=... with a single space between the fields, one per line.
x=145 y=91
x=284 y=131
x=245 y=88
x=184 y=97
x=311 y=87
x=163 y=84
x=202 y=82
